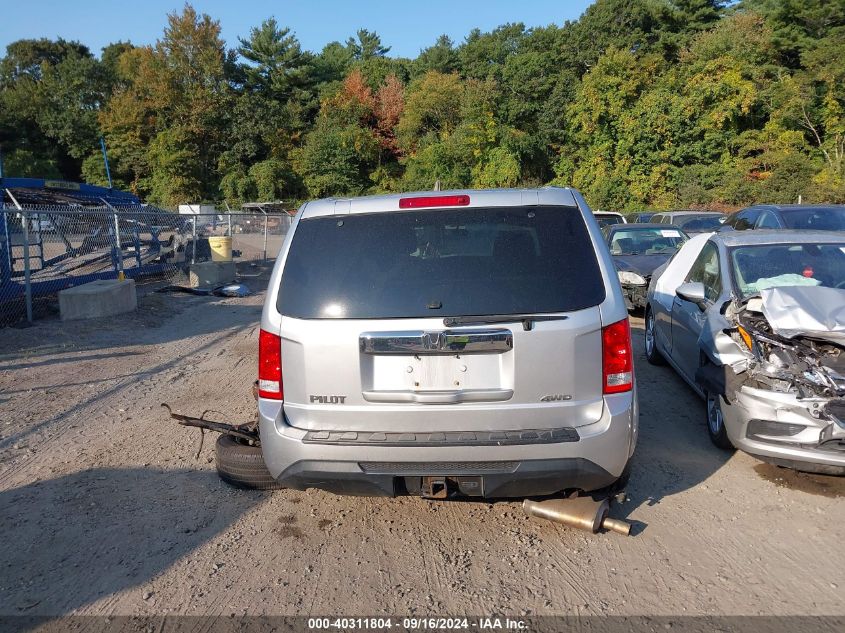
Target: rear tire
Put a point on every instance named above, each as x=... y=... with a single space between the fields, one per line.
x=716 y=421
x=652 y=355
x=242 y=465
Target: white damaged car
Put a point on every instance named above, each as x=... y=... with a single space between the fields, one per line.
x=754 y=321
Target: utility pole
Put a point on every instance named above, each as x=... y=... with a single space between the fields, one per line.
x=106 y=159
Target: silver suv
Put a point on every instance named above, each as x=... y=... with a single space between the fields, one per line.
x=438 y=343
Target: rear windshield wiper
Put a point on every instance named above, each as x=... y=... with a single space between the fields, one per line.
x=527 y=320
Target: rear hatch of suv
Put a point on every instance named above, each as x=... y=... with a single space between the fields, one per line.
x=444 y=319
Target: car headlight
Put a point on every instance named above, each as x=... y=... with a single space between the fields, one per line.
x=632 y=279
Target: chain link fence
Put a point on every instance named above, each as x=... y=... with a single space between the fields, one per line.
x=46 y=249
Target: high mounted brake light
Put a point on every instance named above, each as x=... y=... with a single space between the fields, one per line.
x=433 y=201
x=617 y=361
x=269 y=366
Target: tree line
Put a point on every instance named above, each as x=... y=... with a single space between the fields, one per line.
x=640 y=104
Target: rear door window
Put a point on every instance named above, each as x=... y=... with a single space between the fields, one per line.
x=815 y=218
x=438 y=263
x=768 y=220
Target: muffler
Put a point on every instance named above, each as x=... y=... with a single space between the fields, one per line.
x=584 y=513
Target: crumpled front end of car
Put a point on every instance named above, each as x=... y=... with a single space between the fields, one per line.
x=784 y=395
x=634 y=288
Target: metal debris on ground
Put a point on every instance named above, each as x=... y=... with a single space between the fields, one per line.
x=232 y=290
x=247 y=431
x=583 y=513
x=229 y=290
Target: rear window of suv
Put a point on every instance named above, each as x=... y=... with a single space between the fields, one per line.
x=438 y=263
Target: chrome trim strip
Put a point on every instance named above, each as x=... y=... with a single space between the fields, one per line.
x=440 y=397
x=413 y=342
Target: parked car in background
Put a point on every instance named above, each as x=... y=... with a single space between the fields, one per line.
x=640 y=217
x=606 y=218
x=809 y=217
x=691 y=221
x=753 y=321
x=637 y=250
x=456 y=342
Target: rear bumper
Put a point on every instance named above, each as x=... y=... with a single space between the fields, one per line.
x=499 y=479
x=595 y=460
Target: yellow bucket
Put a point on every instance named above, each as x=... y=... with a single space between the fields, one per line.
x=221 y=249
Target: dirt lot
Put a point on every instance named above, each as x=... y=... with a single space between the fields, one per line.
x=104 y=509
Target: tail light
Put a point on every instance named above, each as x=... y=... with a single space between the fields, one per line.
x=270 y=366
x=617 y=358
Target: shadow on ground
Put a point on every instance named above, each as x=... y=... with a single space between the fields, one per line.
x=228 y=321
x=829 y=486
x=674 y=452
x=76 y=539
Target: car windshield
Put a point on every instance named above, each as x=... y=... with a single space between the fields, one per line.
x=441 y=262
x=645 y=241
x=699 y=222
x=775 y=266
x=815 y=218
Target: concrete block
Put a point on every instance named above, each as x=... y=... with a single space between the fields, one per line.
x=209 y=274
x=98 y=299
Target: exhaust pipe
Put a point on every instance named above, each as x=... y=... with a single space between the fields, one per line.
x=583 y=513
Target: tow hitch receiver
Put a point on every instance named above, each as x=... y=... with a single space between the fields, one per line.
x=434 y=488
x=445 y=487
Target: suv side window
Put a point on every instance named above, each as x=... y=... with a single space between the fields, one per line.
x=657 y=218
x=768 y=220
x=745 y=219
x=707 y=270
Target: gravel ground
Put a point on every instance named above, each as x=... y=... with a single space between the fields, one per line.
x=105 y=510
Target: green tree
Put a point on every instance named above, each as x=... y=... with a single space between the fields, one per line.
x=167 y=127
x=343 y=149
x=274 y=59
x=73 y=91
x=797 y=24
x=366 y=45
x=432 y=106
x=441 y=56
x=483 y=55
x=34 y=140
x=336 y=160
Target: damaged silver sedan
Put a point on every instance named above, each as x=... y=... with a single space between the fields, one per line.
x=755 y=323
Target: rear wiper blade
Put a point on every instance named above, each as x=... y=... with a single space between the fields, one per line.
x=527 y=320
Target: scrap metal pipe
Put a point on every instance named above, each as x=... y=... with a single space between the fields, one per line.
x=583 y=513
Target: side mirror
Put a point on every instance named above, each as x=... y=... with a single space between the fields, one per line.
x=692 y=291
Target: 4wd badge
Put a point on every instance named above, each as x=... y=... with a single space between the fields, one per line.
x=555 y=397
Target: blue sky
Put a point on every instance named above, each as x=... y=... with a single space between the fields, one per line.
x=405 y=26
